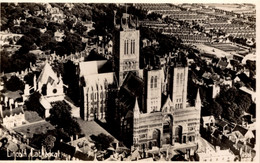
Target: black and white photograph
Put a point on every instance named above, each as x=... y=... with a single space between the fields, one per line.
x=144 y=81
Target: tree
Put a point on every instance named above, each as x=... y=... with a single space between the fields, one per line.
x=102 y=141
x=154 y=16
x=80 y=28
x=14 y=84
x=33 y=104
x=60 y=113
x=44 y=39
x=26 y=42
x=60 y=116
x=71 y=78
x=22 y=61
x=6 y=61
x=243 y=101
x=216 y=108
x=48 y=142
x=29 y=78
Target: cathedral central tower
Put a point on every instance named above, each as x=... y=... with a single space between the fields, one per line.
x=127 y=54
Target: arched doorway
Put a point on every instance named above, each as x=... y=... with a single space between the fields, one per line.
x=178 y=134
x=156 y=139
x=167 y=129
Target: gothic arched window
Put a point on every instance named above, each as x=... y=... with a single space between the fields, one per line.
x=133 y=46
x=181 y=79
x=155 y=82
x=125 y=47
x=92 y=96
x=177 y=78
x=152 y=82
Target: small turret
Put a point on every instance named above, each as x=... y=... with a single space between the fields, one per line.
x=34 y=83
x=136 y=123
x=198 y=101
x=125 y=21
x=136 y=109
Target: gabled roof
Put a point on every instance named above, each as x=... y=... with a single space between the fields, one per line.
x=48 y=75
x=242 y=130
x=168 y=102
x=222 y=123
x=131 y=88
x=90 y=67
x=208 y=118
x=133 y=84
x=244 y=78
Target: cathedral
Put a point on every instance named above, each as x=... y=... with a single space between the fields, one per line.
x=152 y=108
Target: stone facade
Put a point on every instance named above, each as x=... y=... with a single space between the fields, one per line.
x=94 y=86
x=171 y=124
x=49 y=84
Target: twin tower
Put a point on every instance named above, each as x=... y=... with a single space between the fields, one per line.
x=164 y=117
x=127 y=59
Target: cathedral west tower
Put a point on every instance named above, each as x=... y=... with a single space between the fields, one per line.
x=179 y=82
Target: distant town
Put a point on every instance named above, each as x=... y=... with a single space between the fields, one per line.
x=128 y=82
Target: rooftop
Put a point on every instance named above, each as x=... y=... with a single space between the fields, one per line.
x=38 y=127
x=48 y=75
x=242 y=130
x=14 y=111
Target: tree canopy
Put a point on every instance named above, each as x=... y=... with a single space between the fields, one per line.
x=60 y=116
x=102 y=141
x=33 y=104
x=14 y=84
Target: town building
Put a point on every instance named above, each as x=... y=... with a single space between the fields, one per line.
x=12 y=117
